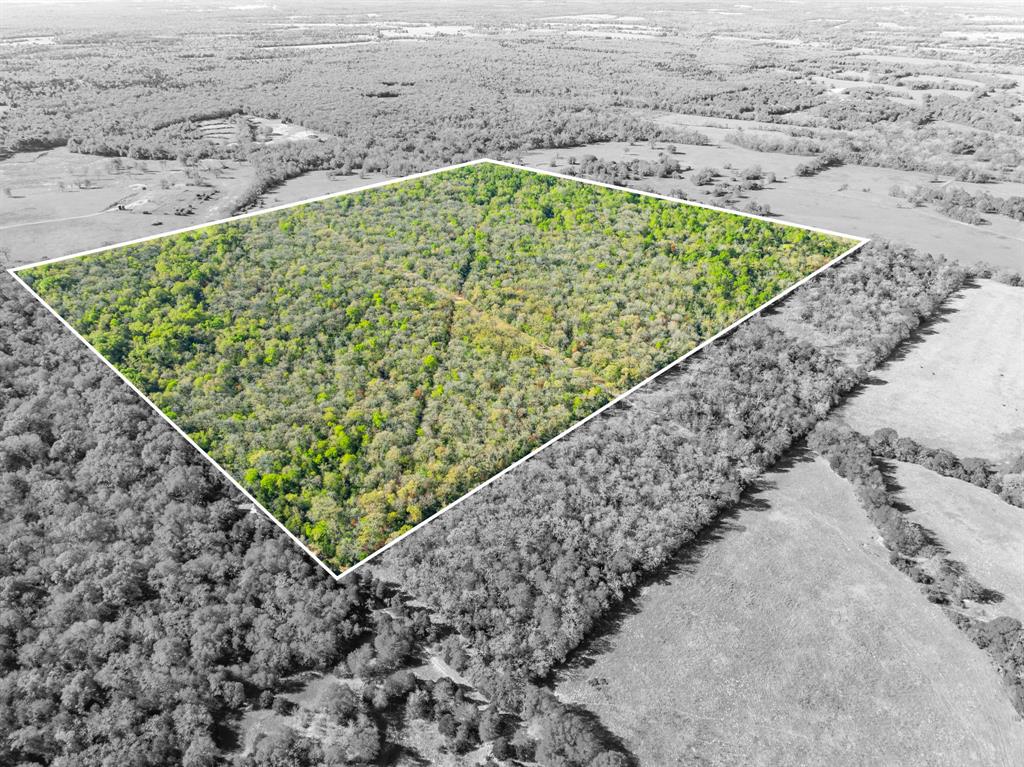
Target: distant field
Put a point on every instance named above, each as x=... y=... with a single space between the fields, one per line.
x=791 y=640
x=360 y=362
x=61 y=202
x=847 y=199
x=978 y=528
x=960 y=386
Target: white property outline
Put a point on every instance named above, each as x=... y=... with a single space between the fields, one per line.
x=859 y=242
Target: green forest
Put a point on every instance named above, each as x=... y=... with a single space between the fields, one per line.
x=360 y=362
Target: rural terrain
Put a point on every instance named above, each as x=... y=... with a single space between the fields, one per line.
x=425 y=334
x=801 y=546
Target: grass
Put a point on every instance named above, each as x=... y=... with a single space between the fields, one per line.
x=360 y=362
x=976 y=526
x=786 y=637
x=958 y=386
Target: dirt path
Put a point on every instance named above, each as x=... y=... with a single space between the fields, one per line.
x=56 y=220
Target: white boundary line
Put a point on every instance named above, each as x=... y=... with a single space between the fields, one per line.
x=859 y=242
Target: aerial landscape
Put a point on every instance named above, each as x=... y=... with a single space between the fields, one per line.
x=425 y=334
x=538 y=384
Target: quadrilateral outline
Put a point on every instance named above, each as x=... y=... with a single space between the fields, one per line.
x=859 y=242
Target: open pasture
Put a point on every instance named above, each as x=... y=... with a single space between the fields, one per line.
x=786 y=637
x=59 y=202
x=958 y=385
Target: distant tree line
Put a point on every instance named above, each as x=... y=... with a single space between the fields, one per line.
x=960 y=204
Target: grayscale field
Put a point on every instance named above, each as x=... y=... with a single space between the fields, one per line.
x=772 y=641
x=957 y=386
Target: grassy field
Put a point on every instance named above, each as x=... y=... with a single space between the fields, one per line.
x=787 y=638
x=959 y=385
x=978 y=528
x=61 y=202
x=361 y=362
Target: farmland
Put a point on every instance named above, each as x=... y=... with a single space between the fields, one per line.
x=773 y=641
x=958 y=385
x=59 y=202
x=471 y=315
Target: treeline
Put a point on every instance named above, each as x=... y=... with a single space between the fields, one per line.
x=1006 y=276
x=506 y=97
x=861 y=315
x=887 y=443
x=960 y=204
x=925 y=150
x=379 y=152
x=438 y=116
x=913 y=552
x=525 y=567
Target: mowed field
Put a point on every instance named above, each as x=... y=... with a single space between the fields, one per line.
x=959 y=387
x=790 y=640
x=979 y=529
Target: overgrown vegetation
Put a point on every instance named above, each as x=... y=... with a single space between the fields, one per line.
x=361 y=362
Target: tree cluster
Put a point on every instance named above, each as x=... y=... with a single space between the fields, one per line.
x=962 y=205
x=887 y=443
x=361 y=362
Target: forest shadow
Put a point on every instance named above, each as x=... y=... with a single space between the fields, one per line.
x=930 y=326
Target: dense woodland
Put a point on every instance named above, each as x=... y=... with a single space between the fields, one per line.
x=143 y=602
x=361 y=362
x=146 y=607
